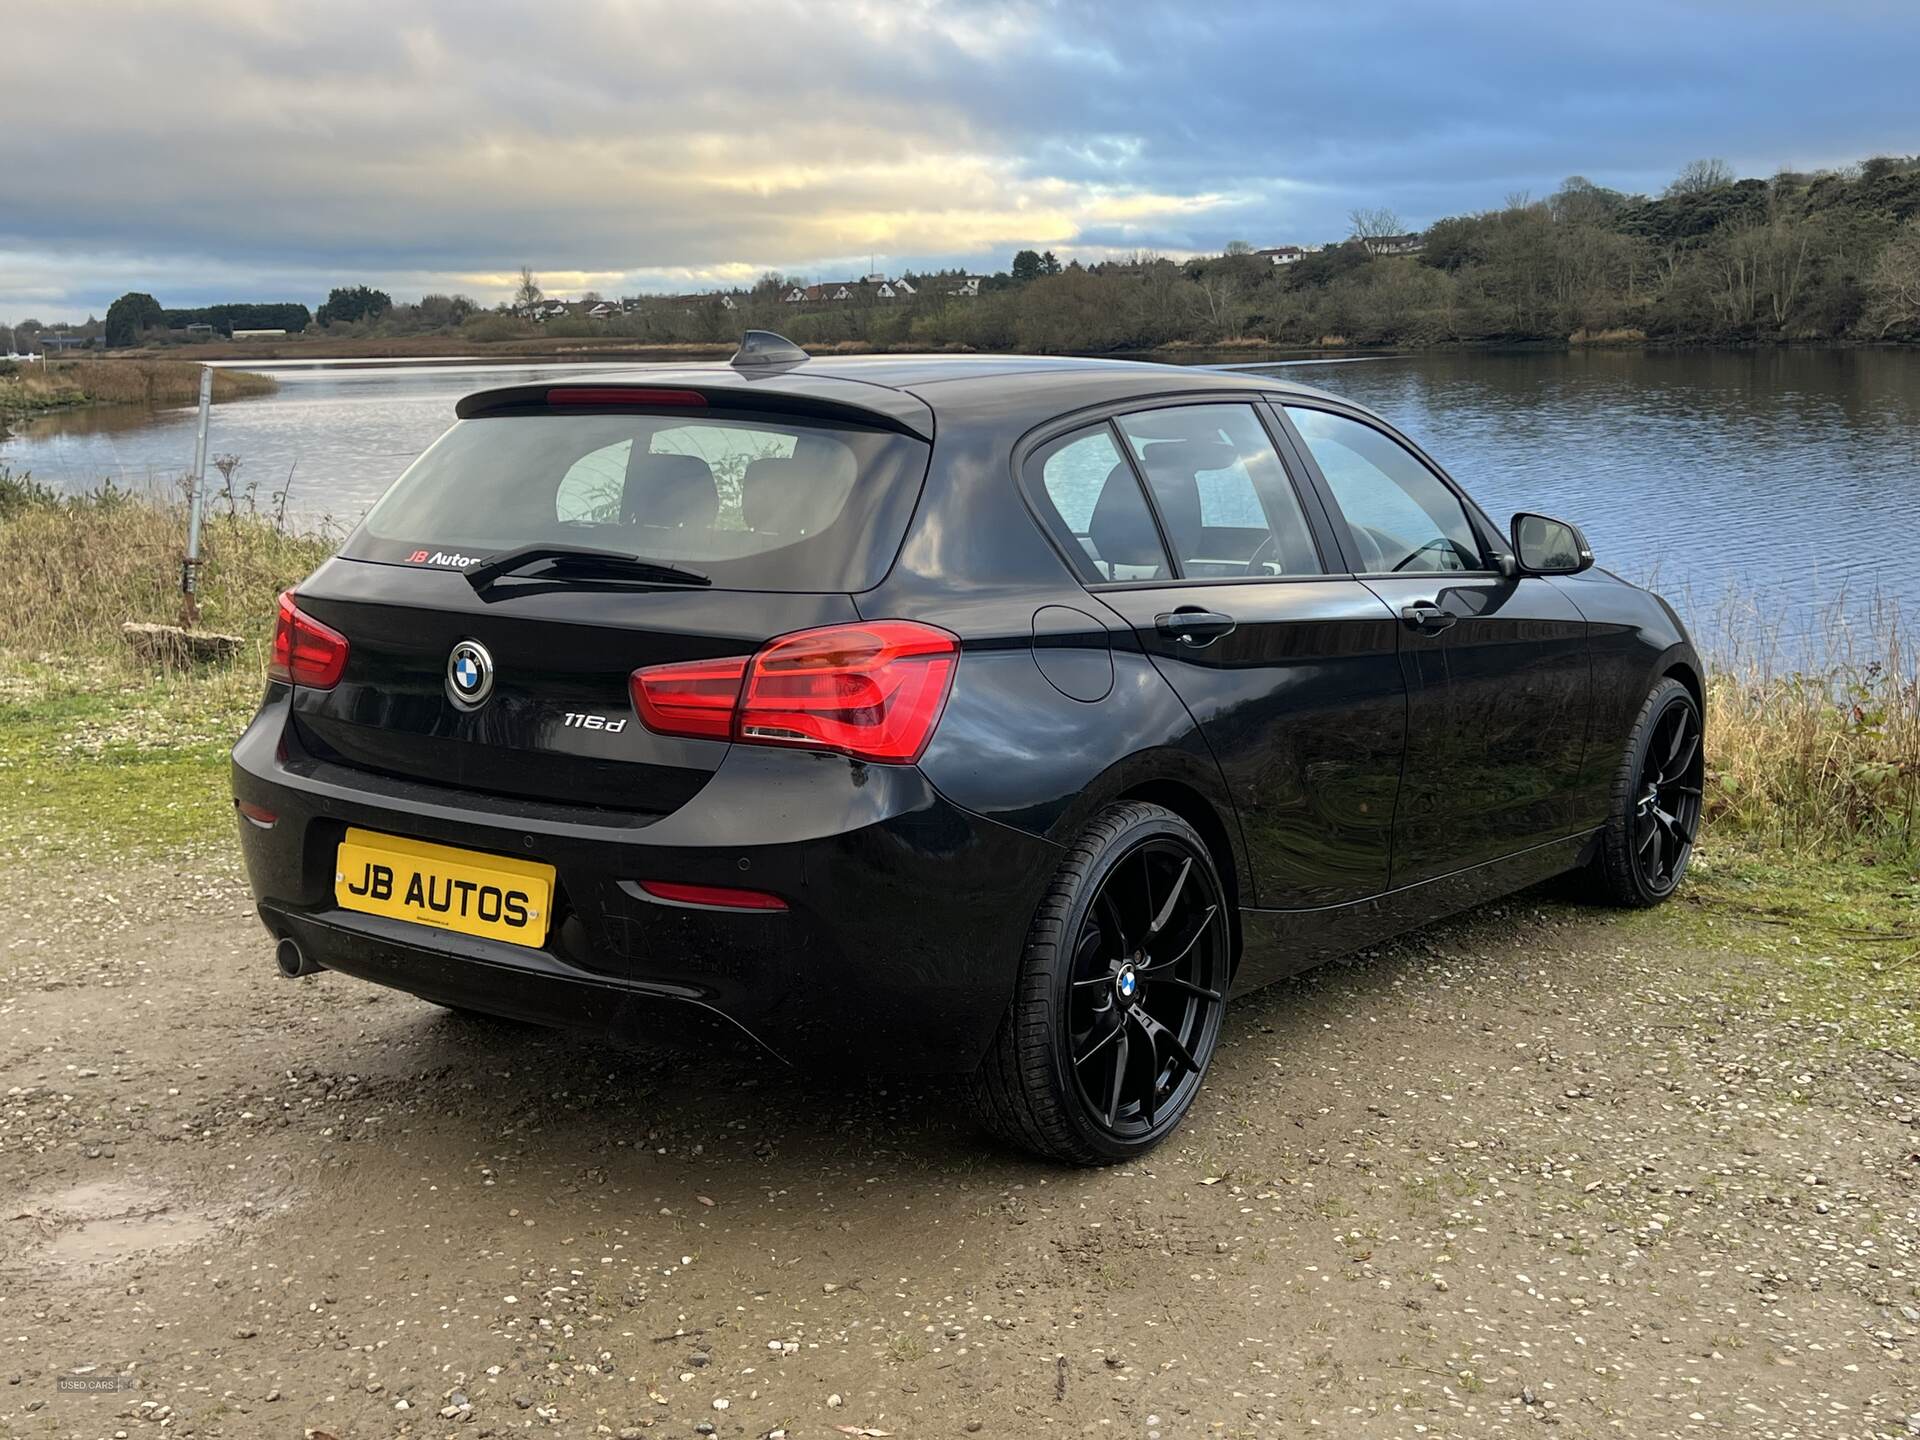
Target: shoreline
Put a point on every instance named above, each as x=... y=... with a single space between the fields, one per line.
x=56 y=386
x=452 y=349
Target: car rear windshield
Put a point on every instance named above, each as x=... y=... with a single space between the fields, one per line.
x=753 y=503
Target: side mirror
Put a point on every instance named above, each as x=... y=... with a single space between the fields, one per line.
x=1545 y=546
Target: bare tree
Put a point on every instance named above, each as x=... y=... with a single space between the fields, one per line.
x=529 y=291
x=1238 y=247
x=1697 y=177
x=1370 y=227
x=1893 y=289
x=1220 y=295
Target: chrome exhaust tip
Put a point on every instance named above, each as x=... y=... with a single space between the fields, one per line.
x=292 y=962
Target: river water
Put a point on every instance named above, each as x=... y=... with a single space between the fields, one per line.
x=1773 y=489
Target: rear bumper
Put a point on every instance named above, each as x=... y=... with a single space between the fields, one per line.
x=898 y=950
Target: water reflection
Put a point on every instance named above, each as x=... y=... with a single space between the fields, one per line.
x=1789 y=476
x=336 y=435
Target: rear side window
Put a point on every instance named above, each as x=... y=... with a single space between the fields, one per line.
x=756 y=504
x=1224 y=497
x=1089 y=498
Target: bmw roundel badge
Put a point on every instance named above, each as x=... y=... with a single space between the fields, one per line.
x=469 y=674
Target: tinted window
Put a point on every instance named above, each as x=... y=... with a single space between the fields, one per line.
x=1224 y=496
x=1401 y=516
x=757 y=505
x=593 y=489
x=1097 y=510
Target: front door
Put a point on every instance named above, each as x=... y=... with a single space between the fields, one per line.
x=1291 y=672
x=1496 y=665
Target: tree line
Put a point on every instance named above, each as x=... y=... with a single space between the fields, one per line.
x=1796 y=257
x=1832 y=255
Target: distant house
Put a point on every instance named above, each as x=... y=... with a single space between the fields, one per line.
x=968 y=288
x=872 y=287
x=602 y=310
x=1288 y=254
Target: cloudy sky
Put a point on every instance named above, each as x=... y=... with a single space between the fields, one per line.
x=208 y=150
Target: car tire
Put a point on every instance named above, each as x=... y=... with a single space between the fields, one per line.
x=1120 y=997
x=1655 y=814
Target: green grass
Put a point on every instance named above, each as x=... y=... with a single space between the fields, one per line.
x=95 y=763
x=1830 y=940
x=101 y=755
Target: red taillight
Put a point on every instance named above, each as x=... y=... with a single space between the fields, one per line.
x=872 y=691
x=696 y=698
x=722 y=896
x=622 y=395
x=258 y=814
x=305 y=652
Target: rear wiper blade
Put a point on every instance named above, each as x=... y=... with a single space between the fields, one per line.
x=583 y=557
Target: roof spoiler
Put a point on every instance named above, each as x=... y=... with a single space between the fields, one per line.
x=763 y=347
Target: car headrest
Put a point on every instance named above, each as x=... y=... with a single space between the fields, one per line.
x=776 y=497
x=1173 y=469
x=1120 y=527
x=1187 y=457
x=671 y=491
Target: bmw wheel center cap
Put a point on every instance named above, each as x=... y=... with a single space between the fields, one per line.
x=469 y=674
x=1126 y=982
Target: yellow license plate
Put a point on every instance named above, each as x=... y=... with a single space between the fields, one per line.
x=487 y=895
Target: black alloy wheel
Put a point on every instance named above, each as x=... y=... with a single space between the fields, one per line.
x=1122 y=994
x=1657 y=801
x=1147 y=983
x=1667 y=803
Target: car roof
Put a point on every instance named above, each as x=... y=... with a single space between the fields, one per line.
x=912 y=390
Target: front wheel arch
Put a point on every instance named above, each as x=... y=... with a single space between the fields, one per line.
x=1689 y=676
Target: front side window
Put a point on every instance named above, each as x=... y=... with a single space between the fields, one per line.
x=1401 y=516
x=1097 y=511
x=1224 y=497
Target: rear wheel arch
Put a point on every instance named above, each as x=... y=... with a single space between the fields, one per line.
x=1096 y=928
x=1199 y=812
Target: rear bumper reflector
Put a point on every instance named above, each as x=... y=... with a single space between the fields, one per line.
x=719 y=897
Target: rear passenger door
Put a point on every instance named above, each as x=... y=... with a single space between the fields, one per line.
x=1496 y=663
x=1223 y=578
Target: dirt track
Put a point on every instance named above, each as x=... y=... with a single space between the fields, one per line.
x=1543 y=1166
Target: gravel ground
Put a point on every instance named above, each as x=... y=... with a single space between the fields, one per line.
x=1543 y=1166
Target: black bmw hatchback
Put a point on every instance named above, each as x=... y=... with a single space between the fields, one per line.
x=997 y=717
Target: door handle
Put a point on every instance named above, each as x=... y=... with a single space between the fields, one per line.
x=1191 y=625
x=1427 y=617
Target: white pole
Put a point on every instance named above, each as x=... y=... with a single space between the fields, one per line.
x=190 y=607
